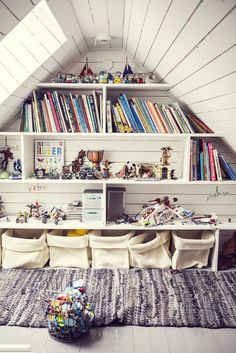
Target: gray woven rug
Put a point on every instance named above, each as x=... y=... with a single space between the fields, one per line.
x=130 y=297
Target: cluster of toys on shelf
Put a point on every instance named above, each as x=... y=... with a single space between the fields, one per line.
x=55 y=215
x=88 y=76
x=69 y=313
x=52 y=166
x=5 y=156
x=156 y=212
x=161 y=211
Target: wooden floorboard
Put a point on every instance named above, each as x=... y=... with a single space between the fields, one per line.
x=127 y=339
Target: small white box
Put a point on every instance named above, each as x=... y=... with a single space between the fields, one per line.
x=92 y=215
x=92 y=199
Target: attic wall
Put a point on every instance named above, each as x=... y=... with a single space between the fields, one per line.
x=11 y=13
x=192 y=46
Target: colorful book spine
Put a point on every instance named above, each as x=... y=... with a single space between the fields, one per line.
x=202 y=165
x=65 y=114
x=217 y=165
x=136 y=117
x=49 y=110
x=83 y=113
x=163 y=118
x=140 y=114
x=225 y=167
x=211 y=162
x=127 y=112
x=109 y=118
x=231 y=168
x=87 y=110
x=49 y=95
x=149 y=118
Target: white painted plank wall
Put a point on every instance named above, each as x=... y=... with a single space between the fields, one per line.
x=193 y=197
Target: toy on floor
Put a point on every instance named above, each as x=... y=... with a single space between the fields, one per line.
x=69 y=314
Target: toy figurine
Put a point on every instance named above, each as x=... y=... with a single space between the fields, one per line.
x=78 y=162
x=118 y=77
x=7 y=154
x=105 y=169
x=17 y=174
x=22 y=217
x=166 y=154
x=2 y=208
x=34 y=210
x=103 y=77
x=124 y=172
x=57 y=215
x=40 y=173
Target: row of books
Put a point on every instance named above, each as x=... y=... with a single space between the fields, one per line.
x=51 y=111
x=207 y=163
x=141 y=116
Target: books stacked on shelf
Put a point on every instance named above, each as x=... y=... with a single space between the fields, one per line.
x=52 y=111
x=143 y=116
x=74 y=211
x=207 y=163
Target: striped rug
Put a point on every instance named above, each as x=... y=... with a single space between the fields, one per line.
x=129 y=297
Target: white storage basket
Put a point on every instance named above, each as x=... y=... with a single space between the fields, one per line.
x=191 y=249
x=68 y=251
x=25 y=248
x=150 y=254
x=110 y=248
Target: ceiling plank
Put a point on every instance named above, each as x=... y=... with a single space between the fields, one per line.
x=207 y=50
x=177 y=16
x=67 y=55
x=7 y=20
x=127 y=19
x=220 y=67
x=224 y=85
x=84 y=18
x=226 y=101
x=139 y=11
x=19 y=8
x=116 y=19
x=69 y=23
x=154 y=20
x=99 y=15
x=194 y=34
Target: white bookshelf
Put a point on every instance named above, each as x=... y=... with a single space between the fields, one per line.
x=119 y=148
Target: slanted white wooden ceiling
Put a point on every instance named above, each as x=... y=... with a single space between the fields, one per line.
x=190 y=44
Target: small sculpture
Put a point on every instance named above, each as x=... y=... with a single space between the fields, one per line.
x=2 y=208
x=7 y=154
x=34 y=210
x=118 y=77
x=22 y=217
x=166 y=154
x=95 y=157
x=105 y=169
x=78 y=162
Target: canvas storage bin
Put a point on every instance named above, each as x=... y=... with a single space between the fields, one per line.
x=68 y=251
x=110 y=248
x=152 y=253
x=25 y=248
x=192 y=249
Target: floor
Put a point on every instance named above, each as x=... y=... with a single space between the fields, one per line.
x=127 y=339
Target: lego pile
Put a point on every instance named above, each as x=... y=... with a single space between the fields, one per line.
x=69 y=314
